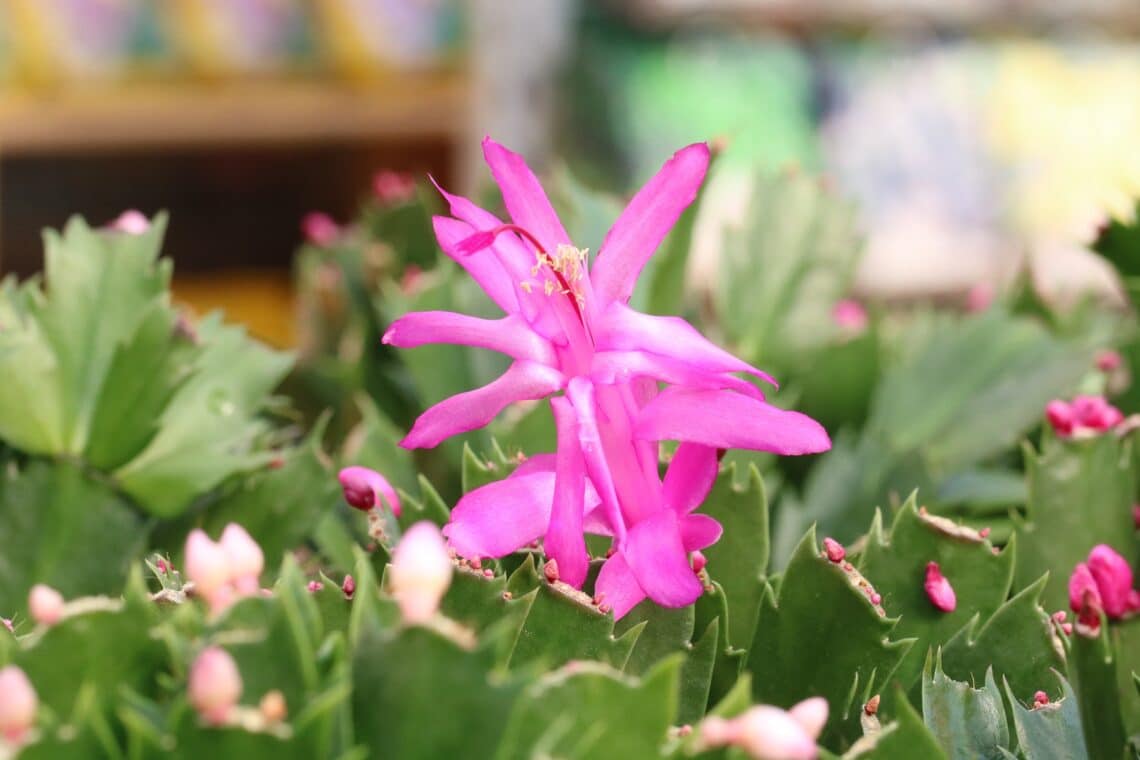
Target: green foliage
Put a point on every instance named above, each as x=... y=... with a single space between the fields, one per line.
x=967 y=722
x=1050 y=731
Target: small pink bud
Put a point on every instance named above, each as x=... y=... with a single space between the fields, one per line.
x=550 y=570
x=319 y=228
x=700 y=561
x=1113 y=577
x=162 y=566
x=215 y=685
x=315 y=586
x=938 y=589
x=391 y=187
x=1060 y=416
x=984 y=532
x=244 y=558
x=849 y=315
x=979 y=297
x=18 y=705
x=411 y=280
x=348 y=586
x=420 y=572
x=45 y=604
x=1060 y=616
x=1067 y=628
x=1040 y=699
x=871 y=707
x=363 y=489
x=206 y=564
x=1084 y=596
x=1108 y=360
x=766 y=732
x=130 y=222
x=876 y=599
x=834 y=550
x=272 y=707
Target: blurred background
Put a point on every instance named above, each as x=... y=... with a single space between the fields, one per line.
x=972 y=135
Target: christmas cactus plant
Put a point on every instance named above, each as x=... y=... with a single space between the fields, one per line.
x=182 y=574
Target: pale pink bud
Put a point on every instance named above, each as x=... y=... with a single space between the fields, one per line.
x=207 y=565
x=1108 y=360
x=811 y=714
x=849 y=315
x=244 y=558
x=700 y=561
x=215 y=684
x=45 y=604
x=979 y=297
x=1113 y=577
x=319 y=228
x=131 y=222
x=18 y=704
x=273 y=707
x=765 y=733
x=363 y=489
x=938 y=589
x=420 y=572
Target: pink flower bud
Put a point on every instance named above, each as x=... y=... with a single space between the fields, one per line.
x=391 y=187
x=363 y=489
x=18 y=704
x=938 y=589
x=1113 y=578
x=1108 y=360
x=1095 y=413
x=1060 y=416
x=45 y=604
x=834 y=550
x=244 y=558
x=766 y=733
x=849 y=315
x=348 y=586
x=700 y=561
x=979 y=297
x=811 y=714
x=1084 y=596
x=420 y=572
x=319 y=228
x=215 y=685
x=207 y=565
x=131 y=222
x=1040 y=699
x=273 y=707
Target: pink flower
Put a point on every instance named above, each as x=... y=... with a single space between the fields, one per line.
x=18 y=705
x=1103 y=582
x=130 y=222
x=391 y=188
x=568 y=328
x=364 y=489
x=319 y=228
x=215 y=685
x=850 y=316
x=938 y=589
x=420 y=572
x=1086 y=415
x=769 y=733
x=45 y=604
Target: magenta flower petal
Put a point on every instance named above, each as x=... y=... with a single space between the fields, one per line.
x=646 y=221
x=690 y=477
x=501 y=517
x=524 y=381
x=617 y=587
x=581 y=395
x=1113 y=578
x=623 y=328
x=524 y=197
x=564 y=541
x=612 y=367
x=483 y=267
x=656 y=554
x=509 y=335
x=699 y=532
x=729 y=420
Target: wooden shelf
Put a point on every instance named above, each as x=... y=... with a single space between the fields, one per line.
x=125 y=117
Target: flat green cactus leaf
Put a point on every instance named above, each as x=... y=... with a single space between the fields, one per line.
x=697 y=674
x=44 y=538
x=666 y=630
x=1080 y=495
x=478 y=471
x=333 y=607
x=1126 y=647
x=419 y=694
x=712 y=606
x=474 y=600
x=820 y=635
x=904 y=738
x=429 y=506
x=562 y=625
x=1018 y=642
x=587 y=710
x=740 y=559
x=1053 y=731
x=1093 y=673
x=967 y=722
x=896 y=565
x=86 y=732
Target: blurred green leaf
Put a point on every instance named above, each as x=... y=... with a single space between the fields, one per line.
x=967 y=722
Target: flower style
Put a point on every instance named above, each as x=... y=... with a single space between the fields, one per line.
x=568 y=328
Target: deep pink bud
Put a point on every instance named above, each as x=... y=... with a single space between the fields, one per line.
x=849 y=315
x=1113 y=578
x=938 y=589
x=700 y=561
x=1060 y=416
x=215 y=685
x=1040 y=699
x=244 y=557
x=420 y=572
x=18 y=705
x=319 y=228
x=130 y=222
x=1095 y=413
x=363 y=489
x=834 y=550
x=207 y=565
x=45 y=604
x=349 y=586
x=1084 y=596
x=391 y=187
x=1108 y=360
